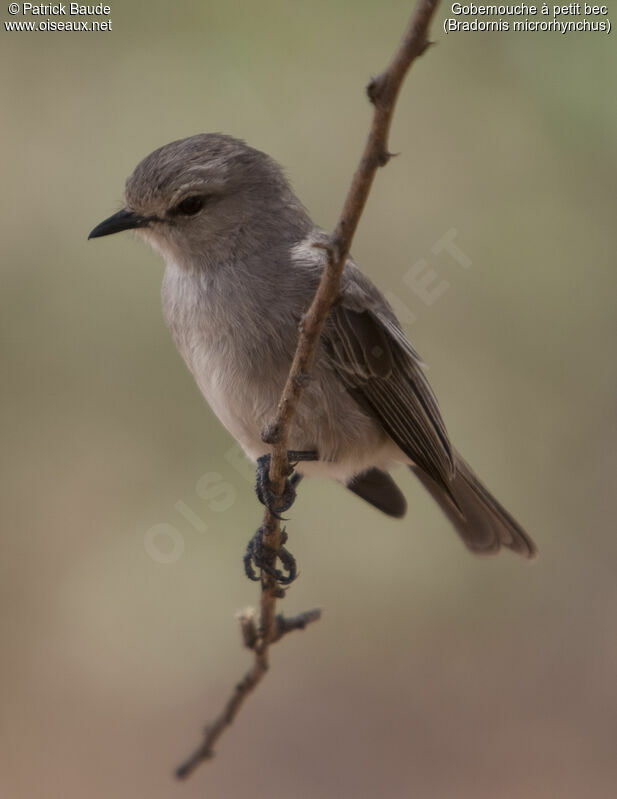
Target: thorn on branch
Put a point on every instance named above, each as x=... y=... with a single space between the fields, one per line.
x=332 y=246
x=285 y=625
x=424 y=46
x=375 y=89
x=272 y=432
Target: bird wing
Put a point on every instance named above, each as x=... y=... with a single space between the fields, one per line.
x=370 y=353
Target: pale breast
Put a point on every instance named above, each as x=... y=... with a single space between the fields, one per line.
x=226 y=352
x=240 y=362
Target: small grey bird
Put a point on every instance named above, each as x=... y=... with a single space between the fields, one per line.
x=241 y=270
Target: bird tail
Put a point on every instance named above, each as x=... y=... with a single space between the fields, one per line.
x=482 y=522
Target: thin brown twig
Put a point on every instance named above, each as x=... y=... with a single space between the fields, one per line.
x=383 y=92
x=247 y=684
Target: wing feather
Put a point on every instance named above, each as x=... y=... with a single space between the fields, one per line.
x=383 y=371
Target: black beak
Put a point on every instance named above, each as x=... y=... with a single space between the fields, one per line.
x=123 y=220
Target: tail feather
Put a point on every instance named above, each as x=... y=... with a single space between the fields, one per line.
x=481 y=521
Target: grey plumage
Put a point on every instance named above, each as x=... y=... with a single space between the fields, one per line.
x=241 y=269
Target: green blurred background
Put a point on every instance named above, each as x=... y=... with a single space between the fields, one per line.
x=432 y=673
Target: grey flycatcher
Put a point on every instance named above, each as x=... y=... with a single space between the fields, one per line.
x=241 y=270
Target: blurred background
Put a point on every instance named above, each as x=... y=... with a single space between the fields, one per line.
x=126 y=507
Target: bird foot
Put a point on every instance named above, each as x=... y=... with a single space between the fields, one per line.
x=279 y=503
x=263 y=557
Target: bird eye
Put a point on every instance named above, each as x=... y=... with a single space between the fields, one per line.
x=190 y=205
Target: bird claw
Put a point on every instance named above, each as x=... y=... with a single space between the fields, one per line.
x=258 y=554
x=276 y=503
x=264 y=558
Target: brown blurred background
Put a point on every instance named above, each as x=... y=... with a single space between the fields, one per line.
x=432 y=674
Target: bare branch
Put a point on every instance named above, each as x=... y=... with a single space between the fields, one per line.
x=299 y=622
x=247 y=684
x=383 y=92
x=214 y=730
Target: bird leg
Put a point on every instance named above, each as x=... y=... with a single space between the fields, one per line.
x=258 y=554
x=264 y=558
x=276 y=503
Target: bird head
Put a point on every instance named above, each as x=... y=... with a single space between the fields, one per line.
x=196 y=196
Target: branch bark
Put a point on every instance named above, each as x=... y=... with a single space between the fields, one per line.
x=383 y=92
